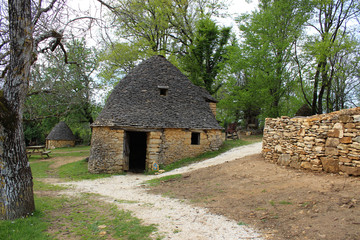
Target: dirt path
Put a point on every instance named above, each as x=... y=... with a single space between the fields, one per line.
x=284 y=203
x=176 y=219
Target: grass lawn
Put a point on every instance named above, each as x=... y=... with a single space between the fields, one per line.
x=72 y=217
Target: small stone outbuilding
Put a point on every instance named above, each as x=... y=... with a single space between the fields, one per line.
x=155 y=115
x=60 y=136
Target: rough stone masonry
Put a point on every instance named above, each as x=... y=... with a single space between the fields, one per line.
x=326 y=142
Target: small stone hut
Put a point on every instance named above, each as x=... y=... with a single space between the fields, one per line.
x=155 y=115
x=60 y=136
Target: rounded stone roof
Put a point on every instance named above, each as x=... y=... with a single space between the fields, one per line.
x=155 y=94
x=61 y=132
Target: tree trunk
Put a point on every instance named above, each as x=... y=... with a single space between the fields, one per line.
x=16 y=196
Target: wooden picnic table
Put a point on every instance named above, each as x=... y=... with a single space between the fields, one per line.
x=37 y=150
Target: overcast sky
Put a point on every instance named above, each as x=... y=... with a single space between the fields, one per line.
x=235 y=8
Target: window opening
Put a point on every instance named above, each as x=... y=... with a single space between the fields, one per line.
x=195 y=138
x=163 y=90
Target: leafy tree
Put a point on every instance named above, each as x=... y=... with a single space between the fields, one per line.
x=206 y=55
x=325 y=51
x=25 y=32
x=269 y=37
x=145 y=28
x=60 y=91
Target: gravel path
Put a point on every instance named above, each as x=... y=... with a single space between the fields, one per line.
x=175 y=218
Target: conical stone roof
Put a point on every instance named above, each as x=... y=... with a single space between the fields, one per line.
x=155 y=94
x=61 y=132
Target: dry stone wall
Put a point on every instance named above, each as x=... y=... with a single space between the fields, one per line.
x=176 y=144
x=326 y=142
x=106 y=154
x=52 y=144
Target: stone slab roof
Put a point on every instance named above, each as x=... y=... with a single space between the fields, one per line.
x=61 y=132
x=155 y=94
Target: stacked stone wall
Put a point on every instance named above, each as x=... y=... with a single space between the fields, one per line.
x=52 y=144
x=212 y=106
x=326 y=142
x=176 y=144
x=107 y=147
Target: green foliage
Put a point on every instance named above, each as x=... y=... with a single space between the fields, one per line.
x=206 y=55
x=60 y=91
x=328 y=59
x=146 y=28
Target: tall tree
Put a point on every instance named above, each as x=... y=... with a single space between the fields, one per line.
x=58 y=91
x=24 y=36
x=270 y=35
x=16 y=196
x=152 y=27
x=333 y=22
x=206 y=56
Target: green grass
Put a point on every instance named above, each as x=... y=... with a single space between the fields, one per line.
x=73 y=217
x=77 y=171
x=156 y=181
x=41 y=186
x=82 y=151
x=273 y=203
x=73 y=149
x=76 y=217
x=41 y=169
x=229 y=144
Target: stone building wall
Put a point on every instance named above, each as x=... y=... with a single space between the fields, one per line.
x=212 y=106
x=107 y=150
x=326 y=142
x=52 y=144
x=163 y=147
x=176 y=144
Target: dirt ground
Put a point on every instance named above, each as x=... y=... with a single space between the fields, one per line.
x=282 y=203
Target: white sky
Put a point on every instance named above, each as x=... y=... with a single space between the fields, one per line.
x=235 y=7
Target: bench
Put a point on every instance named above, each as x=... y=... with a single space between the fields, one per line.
x=37 y=152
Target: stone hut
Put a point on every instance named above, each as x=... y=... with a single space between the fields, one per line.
x=155 y=115
x=60 y=136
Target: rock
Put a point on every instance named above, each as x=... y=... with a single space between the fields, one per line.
x=346 y=140
x=284 y=159
x=355 y=171
x=306 y=165
x=330 y=165
x=332 y=142
x=278 y=149
x=331 y=151
x=356 y=118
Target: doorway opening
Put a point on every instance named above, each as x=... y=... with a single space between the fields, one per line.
x=136 y=151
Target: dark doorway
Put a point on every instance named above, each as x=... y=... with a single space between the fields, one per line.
x=137 y=153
